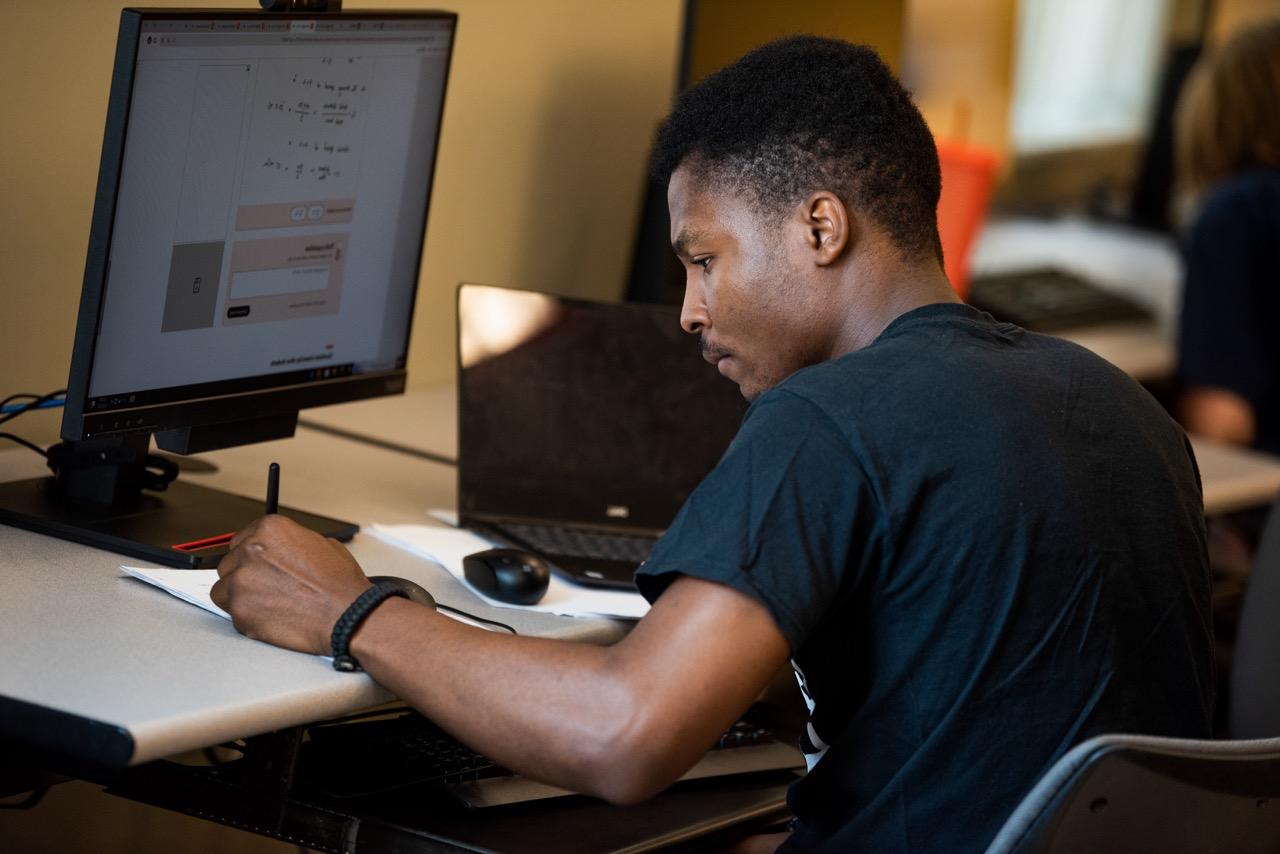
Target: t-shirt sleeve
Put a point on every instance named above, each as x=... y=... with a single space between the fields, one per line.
x=784 y=517
x=1223 y=329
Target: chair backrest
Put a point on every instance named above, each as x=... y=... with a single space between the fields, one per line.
x=1127 y=793
x=1255 y=665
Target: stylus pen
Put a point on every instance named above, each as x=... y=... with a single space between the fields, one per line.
x=273 y=489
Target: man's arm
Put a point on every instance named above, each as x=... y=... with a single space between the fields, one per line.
x=1219 y=414
x=619 y=722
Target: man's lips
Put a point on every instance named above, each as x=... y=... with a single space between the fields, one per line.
x=717 y=356
x=712 y=353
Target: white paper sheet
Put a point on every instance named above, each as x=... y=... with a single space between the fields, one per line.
x=189 y=585
x=193 y=585
x=448 y=546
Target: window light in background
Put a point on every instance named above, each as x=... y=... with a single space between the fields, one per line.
x=1086 y=71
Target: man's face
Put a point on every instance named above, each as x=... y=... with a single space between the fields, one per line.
x=746 y=290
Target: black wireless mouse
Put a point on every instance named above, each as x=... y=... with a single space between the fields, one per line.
x=513 y=576
x=417 y=593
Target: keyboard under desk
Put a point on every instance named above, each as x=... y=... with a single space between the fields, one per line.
x=276 y=791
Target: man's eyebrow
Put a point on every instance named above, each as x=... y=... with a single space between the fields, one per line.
x=683 y=239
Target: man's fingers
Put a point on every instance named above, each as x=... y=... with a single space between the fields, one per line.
x=286 y=584
x=230 y=563
x=218 y=592
x=241 y=535
x=245 y=532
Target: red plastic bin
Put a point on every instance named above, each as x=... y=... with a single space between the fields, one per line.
x=968 y=178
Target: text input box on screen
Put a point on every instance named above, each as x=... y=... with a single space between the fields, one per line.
x=282 y=280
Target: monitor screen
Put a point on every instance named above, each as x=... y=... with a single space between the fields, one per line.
x=260 y=217
x=256 y=237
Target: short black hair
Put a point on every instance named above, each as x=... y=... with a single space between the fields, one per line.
x=805 y=113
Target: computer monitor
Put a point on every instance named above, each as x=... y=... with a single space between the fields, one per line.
x=254 y=250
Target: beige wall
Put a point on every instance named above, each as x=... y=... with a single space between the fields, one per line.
x=549 y=115
x=724 y=30
x=959 y=67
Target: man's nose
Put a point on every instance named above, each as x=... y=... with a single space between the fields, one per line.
x=693 y=311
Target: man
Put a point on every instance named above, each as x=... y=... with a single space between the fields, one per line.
x=976 y=545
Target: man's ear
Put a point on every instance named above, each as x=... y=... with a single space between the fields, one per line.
x=827 y=226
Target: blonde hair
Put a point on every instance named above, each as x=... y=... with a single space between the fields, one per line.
x=1228 y=117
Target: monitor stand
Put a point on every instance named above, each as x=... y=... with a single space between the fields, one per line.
x=99 y=498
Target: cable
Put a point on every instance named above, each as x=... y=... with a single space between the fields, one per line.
x=11 y=398
x=26 y=444
x=41 y=402
x=157 y=471
x=48 y=404
x=474 y=617
x=47 y=401
x=9 y=411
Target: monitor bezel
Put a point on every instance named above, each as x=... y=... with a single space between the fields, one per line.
x=79 y=424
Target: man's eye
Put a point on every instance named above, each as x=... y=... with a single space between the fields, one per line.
x=702 y=262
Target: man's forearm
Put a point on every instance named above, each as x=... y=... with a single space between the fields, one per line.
x=621 y=722
x=553 y=710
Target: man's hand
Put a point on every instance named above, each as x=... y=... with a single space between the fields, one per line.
x=619 y=722
x=287 y=585
x=1219 y=414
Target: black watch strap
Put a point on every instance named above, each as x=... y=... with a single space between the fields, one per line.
x=340 y=640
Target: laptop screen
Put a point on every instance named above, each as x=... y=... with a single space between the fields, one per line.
x=583 y=412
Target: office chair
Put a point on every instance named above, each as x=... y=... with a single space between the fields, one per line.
x=1255 y=667
x=1130 y=793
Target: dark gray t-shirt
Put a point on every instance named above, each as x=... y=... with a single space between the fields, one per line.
x=983 y=546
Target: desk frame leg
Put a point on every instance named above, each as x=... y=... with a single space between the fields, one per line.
x=270 y=761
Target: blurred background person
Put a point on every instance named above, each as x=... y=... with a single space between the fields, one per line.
x=1228 y=151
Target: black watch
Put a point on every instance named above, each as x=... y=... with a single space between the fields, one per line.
x=340 y=640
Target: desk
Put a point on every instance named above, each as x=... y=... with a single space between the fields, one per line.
x=106 y=670
x=1141 y=350
x=1133 y=263
x=163 y=676
x=1233 y=478
x=192 y=681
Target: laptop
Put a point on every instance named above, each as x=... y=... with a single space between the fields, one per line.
x=582 y=426
x=1048 y=300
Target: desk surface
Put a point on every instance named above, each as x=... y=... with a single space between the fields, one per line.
x=84 y=640
x=1233 y=478
x=1141 y=350
x=1134 y=263
x=1141 y=265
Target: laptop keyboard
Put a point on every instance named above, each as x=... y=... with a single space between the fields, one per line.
x=1046 y=300
x=559 y=540
x=357 y=759
x=369 y=757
